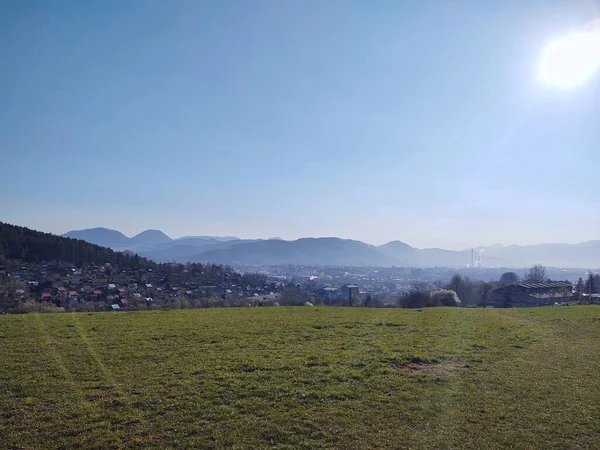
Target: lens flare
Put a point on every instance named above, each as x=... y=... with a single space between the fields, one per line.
x=571 y=60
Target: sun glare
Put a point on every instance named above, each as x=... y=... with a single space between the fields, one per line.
x=571 y=60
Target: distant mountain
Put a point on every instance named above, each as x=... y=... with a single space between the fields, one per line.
x=104 y=237
x=213 y=238
x=186 y=250
x=396 y=248
x=156 y=245
x=150 y=237
x=582 y=255
x=145 y=242
x=306 y=251
x=430 y=257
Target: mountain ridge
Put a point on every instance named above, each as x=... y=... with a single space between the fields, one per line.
x=156 y=245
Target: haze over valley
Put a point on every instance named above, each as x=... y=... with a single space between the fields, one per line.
x=333 y=251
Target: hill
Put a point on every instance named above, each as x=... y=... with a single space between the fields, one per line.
x=186 y=249
x=306 y=251
x=28 y=245
x=396 y=248
x=39 y=269
x=100 y=236
x=146 y=241
x=213 y=238
x=150 y=237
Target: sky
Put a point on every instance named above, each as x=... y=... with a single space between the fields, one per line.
x=420 y=121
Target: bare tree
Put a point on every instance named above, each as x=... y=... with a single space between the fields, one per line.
x=536 y=274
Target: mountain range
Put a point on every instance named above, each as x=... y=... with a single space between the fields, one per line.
x=332 y=251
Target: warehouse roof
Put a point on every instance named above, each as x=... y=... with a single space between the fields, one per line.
x=546 y=285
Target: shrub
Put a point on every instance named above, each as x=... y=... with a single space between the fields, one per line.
x=32 y=306
x=443 y=297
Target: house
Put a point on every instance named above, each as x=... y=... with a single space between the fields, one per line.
x=328 y=292
x=61 y=290
x=111 y=286
x=97 y=292
x=137 y=295
x=121 y=290
x=45 y=296
x=532 y=294
x=73 y=294
x=115 y=307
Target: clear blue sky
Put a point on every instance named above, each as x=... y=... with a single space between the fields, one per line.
x=374 y=120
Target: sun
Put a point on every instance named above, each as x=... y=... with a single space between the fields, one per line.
x=571 y=60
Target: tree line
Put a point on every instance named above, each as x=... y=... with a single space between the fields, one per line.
x=480 y=293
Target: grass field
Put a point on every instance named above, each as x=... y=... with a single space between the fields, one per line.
x=302 y=378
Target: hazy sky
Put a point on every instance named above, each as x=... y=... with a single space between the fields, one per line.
x=375 y=120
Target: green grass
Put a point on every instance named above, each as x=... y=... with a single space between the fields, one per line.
x=302 y=378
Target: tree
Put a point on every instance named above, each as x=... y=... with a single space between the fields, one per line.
x=590 y=287
x=579 y=290
x=536 y=274
x=416 y=297
x=460 y=286
x=508 y=278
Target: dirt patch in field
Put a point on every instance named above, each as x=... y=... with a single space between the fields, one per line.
x=441 y=369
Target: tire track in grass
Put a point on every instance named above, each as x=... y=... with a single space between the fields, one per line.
x=106 y=374
x=110 y=379
x=78 y=404
x=62 y=366
x=452 y=372
x=443 y=423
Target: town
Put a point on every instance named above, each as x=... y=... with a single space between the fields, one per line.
x=34 y=287
x=96 y=287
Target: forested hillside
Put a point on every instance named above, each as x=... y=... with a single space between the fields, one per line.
x=34 y=246
x=75 y=275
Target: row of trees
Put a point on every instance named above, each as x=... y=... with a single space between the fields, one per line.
x=480 y=293
x=584 y=290
x=535 y=274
